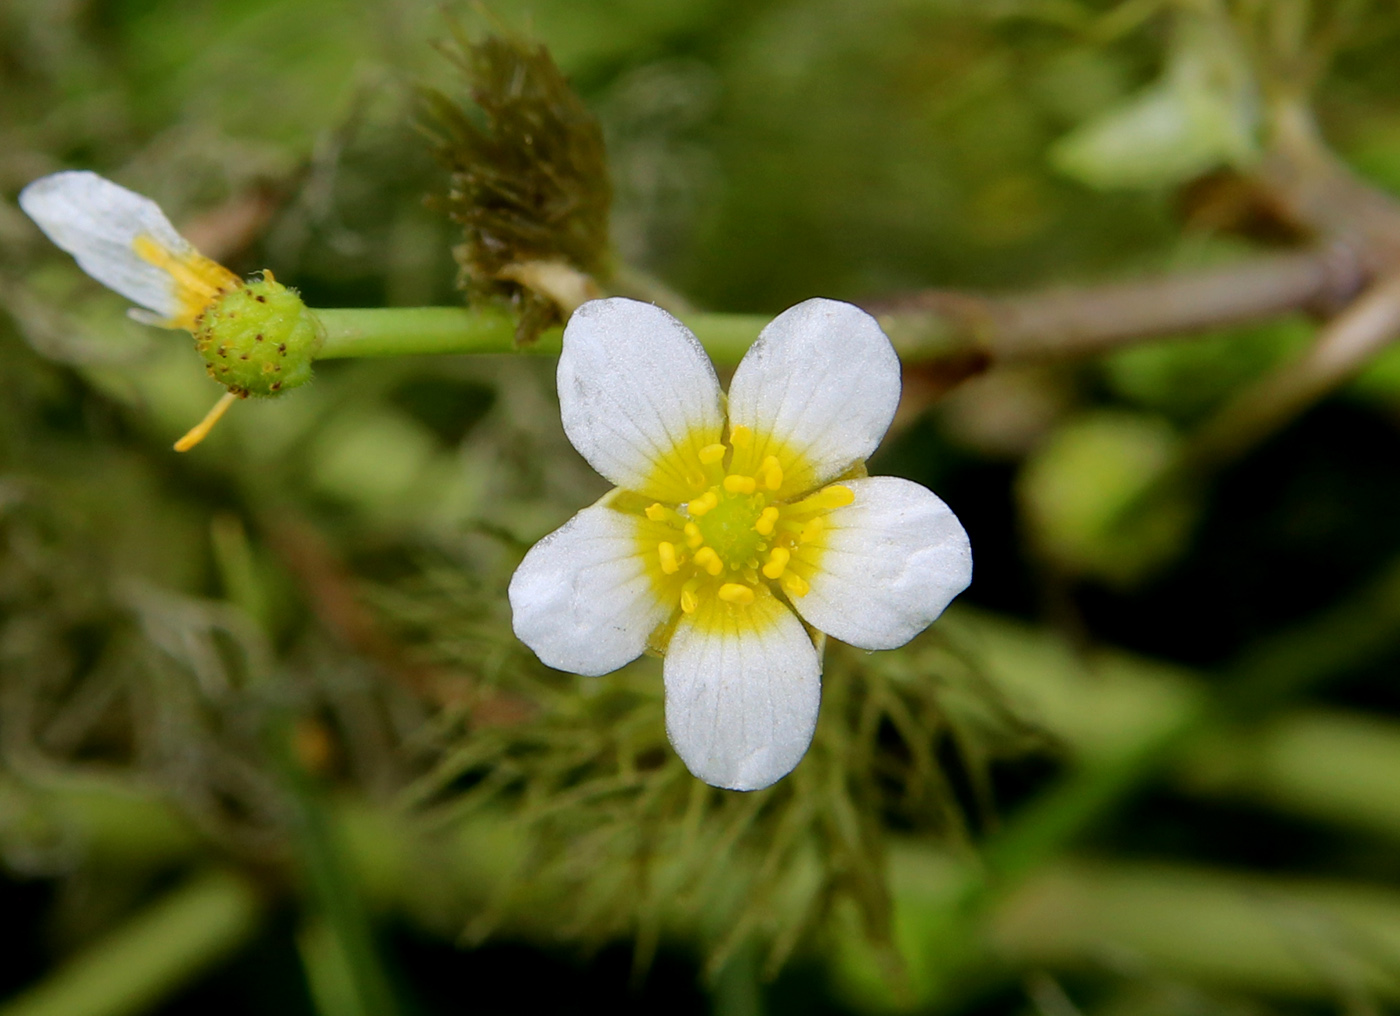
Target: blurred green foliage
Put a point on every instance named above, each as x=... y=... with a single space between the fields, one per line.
x=304 y=621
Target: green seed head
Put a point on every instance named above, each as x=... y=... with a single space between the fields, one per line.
x=259 y=339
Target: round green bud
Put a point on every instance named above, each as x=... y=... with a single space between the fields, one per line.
x=258 y=339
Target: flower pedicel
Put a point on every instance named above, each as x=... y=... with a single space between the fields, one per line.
x=733 y=523
x=256 y=337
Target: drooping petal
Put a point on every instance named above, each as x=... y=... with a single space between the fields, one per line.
x=583 y=598
x=742 y=689
x=638 y=397
x=884 y=566
x=98 y=222
x=818 y=388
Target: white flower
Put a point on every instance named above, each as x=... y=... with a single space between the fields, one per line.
x=125 y=242
x=728 y=531
x=256 y=337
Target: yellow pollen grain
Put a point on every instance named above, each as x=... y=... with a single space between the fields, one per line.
x=772 y=473
x=777 y=562
x=795 y=585
x=733 y=592
x=667 y=552
x=693 y=537
x=811 y=530
x=706 y=558
x=741 y=437
x=705 y=502
x=658 y=512
x=766 y=521
x=711 y=454
x=736 y=484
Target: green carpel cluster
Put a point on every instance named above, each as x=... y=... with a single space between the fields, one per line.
x=259 y=339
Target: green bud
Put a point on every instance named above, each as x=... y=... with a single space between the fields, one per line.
x=259 y=339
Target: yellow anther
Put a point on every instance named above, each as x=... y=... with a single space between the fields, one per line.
x=659 y=512
x=705 y=502
x=711 y=454
x=667 y=553
x=777 y=562
x=772 y=473
x=795 y=585
x=693 y=537
x=733 y=592
x=811 y=530
x=688 y=599
x=766 y=521
x=706 y=558
x=741 y=437
x=736 y=484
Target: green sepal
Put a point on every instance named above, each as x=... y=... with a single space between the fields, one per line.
x=259 y=339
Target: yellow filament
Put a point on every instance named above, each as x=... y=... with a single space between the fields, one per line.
x=777 y=562
x=766 y=521
x=795 y=585
x=693 y=537
x=733 y=592
x=711 y=454
x=739 y=484
x=201 y=430
x=688 y=600
x=741 y=437
x=667 y=552
x=705 y=502
x=811 y=530
x=772 y=473
x=706 y=558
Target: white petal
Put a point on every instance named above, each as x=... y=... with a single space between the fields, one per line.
x=742 y=689
x=96 y=221
x=638 y=396
x=583 y=599
x=885 y=565
x=821 y=381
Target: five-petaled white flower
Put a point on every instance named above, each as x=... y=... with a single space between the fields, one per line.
x=729 y=524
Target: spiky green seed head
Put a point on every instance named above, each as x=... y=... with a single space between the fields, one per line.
x=259 y=339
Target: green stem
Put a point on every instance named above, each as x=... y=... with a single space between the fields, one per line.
x=406 y=331
x=152 y=954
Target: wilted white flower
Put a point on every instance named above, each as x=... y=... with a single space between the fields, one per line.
x=733 y=525
x=125 y=242
x=257 y=337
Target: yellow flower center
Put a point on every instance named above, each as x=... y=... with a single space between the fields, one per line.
x=735 y=537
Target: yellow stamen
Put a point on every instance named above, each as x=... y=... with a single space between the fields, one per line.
x=659 y=512
x=777 y=562
x=201 y=430
x=711 y=454
x=733 y=592
x=688 y=600
x=811 y=530
x=736 y=484
x=766 y=521
x=693 y=537
x=705 y=502
x=667 y=553
x=741 y=437
x=795 y=585
x=772 y=472
x=197 y=279
x=706 y=558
